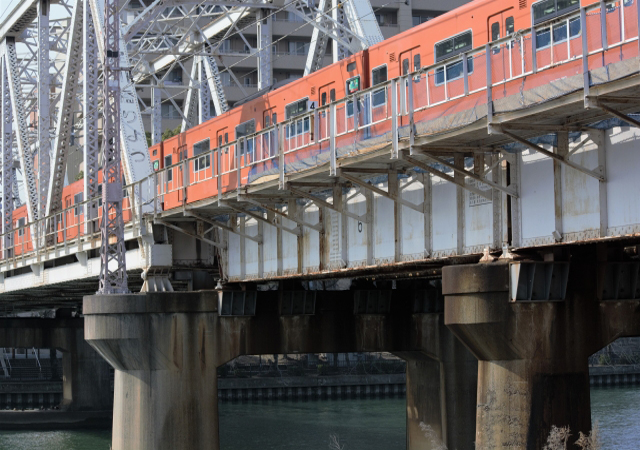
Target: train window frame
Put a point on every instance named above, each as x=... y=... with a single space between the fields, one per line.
x=575 y=6
x=267 y=120
x=332 y=95
x=241 y=134
x=509 y=26
x=567 y=21
x=349 y=106
x=203 y=162
x=495 y=36
x=323 y=98
x=298 y=112
x=417 y=62
x=373 y=74
x=454 y=52
x=168 y=163
x=441 y=70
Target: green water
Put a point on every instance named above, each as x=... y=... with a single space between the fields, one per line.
x=360 y=425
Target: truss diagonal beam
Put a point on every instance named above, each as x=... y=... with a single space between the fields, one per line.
x=22 y=133
x=215 y=85
x=65 y=116
x=44 y=118
x=6 y=144
x=396 y=198
x=91 y=94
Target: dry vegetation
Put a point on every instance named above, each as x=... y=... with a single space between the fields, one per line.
x=559 y=438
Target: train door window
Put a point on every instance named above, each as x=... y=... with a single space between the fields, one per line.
x=350 y=109
x=332 y=95
x=247 y=128
x=226 y=138
x=378 y=76
x=77 y=199
x=416 y=63
x=405 y=66
x=167 y=163
x=453 y=46
x=495 y=31
x=323 y=99
x=267 y=120
x=220 y=141
x=274 y=118
x=509 y=26
x=203 y=162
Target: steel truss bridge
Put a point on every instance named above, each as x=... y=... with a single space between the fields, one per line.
x=533 y=149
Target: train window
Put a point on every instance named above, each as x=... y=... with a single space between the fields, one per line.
x=350 y=109
x=274 y=118
x=323 y=99
x=77 y=199
x=405 y=66
x=203 y=162
x=379 y=75
x=628 y=2
x=454 y=71
x=245 y=129
x=155 y=152
x=220 y=141
x=267 y=121
x=548 y=9
x=21 y=223
x=295 y=109
x=167 y=163
x=453 y=46
x=332 y=95
x=351 y=66
x=226 y=138
x=416 y=63
x=508 y=26
x=544 y=36
x=353 y=85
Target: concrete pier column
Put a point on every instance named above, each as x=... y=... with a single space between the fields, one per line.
x=533 y=355
x=441 y=387
x=166 y=349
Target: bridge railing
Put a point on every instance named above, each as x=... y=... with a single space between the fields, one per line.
x=378 y=117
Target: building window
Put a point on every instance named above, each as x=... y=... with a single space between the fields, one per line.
x=417 y=19
x=248 y=82
x=202 y=162
x=298 y=48
x=453 y=46
x=169 y=111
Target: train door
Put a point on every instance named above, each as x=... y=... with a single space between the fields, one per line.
x=326 y=94
x=222 y=139
x=409 y=61
x=499 y=26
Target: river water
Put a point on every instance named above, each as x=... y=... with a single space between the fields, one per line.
x=359 y=424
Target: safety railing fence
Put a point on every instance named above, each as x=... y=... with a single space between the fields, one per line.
x=384 y=110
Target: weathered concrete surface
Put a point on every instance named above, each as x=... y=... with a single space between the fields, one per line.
x=85 y=375
x=166 y=348
x=533 y=356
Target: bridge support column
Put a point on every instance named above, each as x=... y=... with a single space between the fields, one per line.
x=166 y=349
x=533 y=356
x=441 y=388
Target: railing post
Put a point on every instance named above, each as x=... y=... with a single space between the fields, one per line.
x=155 y=193
x=219 y=172
x=603 y=24
x=332 y=140
x=316 y=126
x=394 y=119
x=242 y=144
x=185 y=180
x=487 y=49
x=412 y=130
x=465 y=71
x=585 y=55
x=280 y=145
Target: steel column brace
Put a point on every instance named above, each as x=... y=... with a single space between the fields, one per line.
x=294 y=231
x=44 y=117
x=479 y=178
x=444 y=176
x=243 y=198
x=221 y=225
x=545 y=152
x=325 y=204
x=188 y=233
x=396 y=198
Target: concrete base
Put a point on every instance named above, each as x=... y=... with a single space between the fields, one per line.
x=166 y=348
x=86 y=384
x=533 y=370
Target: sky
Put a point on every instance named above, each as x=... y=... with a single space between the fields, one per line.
x=6 y=6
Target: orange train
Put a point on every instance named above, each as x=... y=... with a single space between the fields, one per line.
x=447 y=37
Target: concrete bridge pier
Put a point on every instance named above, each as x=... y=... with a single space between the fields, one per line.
x=533 y=355
x=85 y=375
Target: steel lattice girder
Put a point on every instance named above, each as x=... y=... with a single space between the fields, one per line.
x=44 y=119
x=6 y=143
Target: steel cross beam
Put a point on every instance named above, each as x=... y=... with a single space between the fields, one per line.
x=319 y=40
x=67 y=108
x=265 y=70
x=113 y=269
